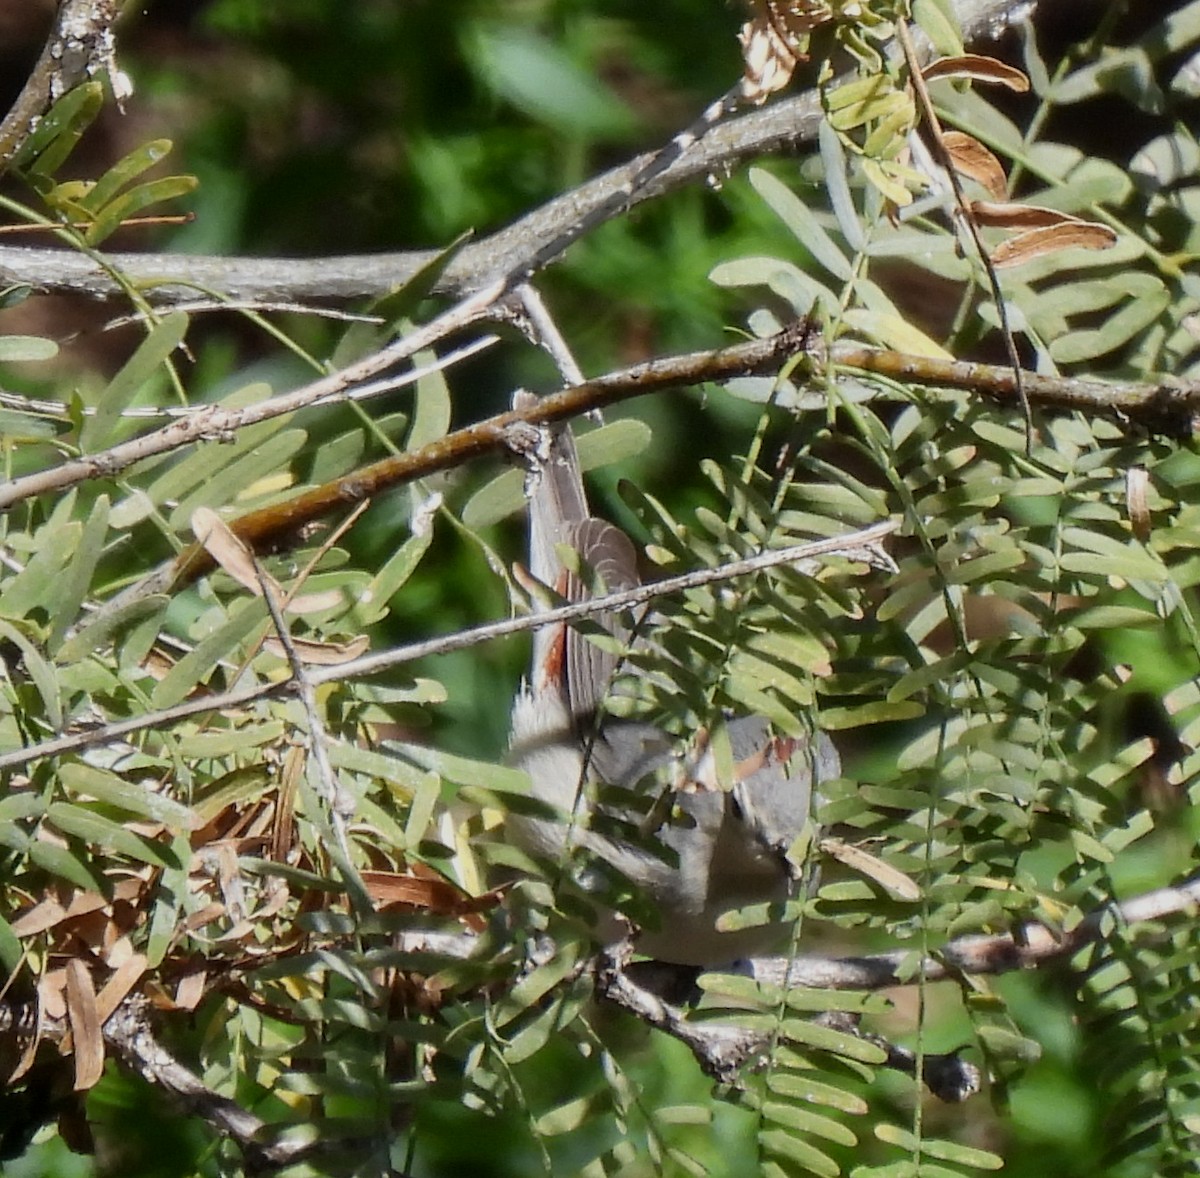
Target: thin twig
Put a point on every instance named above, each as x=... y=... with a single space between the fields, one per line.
x=1031 y=945
x=858 y=545
x=34 y=405
x=545 y=334
x=129 y=1034
x=215 y=422
x=339 y=804
x=272 y=525
x=968 y=217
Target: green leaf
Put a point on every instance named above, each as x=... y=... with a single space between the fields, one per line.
x=1135 y=315
x=153 y=352
x=77 y=580
x=124 y=794
x=372 y=604
x=801 y=1120
x=1110 y=558
x=940 y=24
x=21 y=348
x=796 y=215
x=40 y=672
x=169 y=897
x=946 y=1151
x=10 y=948
x=796 y=1085
x=202 y=465
x=566 y=1118
x=63 y=864
x=403 y=300
x=237 y=482
x=93 y=635
x=125 y=171
x=785 y=1145
x=228 y=742
x=539 y=78
x=128 y=204
x=246 y=616
x=103 y=833
x=399 y=773
x=36 y=586
x=60 y=129
x=431 y=417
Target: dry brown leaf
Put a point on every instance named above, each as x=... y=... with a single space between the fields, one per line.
x=120 y=983
x=190 y=990
x=1137 y=482
x=894 y=882
x=425 y=893
x=1011 y=215
x=283 y=830
x=977 y=68
x=206 y=915
x=430 y=895
x=776 y=41
x=28 y=1055
x=1036 y=242
x=51 y=993
x=320 y=654
x=119 y=952
x=218 y=540
x=973 y=160
x=49 y=912
x=85 y=1022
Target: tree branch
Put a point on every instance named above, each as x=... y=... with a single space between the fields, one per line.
x=860 y=545
x=170 y=278
x=270 y=525
x=80 y=46
x=1030 y=945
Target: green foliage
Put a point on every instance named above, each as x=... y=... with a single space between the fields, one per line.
x=980 y=692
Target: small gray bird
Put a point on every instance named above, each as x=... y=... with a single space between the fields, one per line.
x=729 y=838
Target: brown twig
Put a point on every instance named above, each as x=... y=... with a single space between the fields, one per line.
x=270 y=525
x=721 y=1049
x=1168 y=406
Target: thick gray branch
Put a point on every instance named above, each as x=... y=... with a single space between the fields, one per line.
x=777 y=128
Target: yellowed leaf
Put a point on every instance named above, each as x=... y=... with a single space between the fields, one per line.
x=973 y=160
x=976 y=67
x=894 y=882
x=1137 y=482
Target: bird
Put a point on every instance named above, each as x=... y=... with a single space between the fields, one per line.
x=636 y=800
